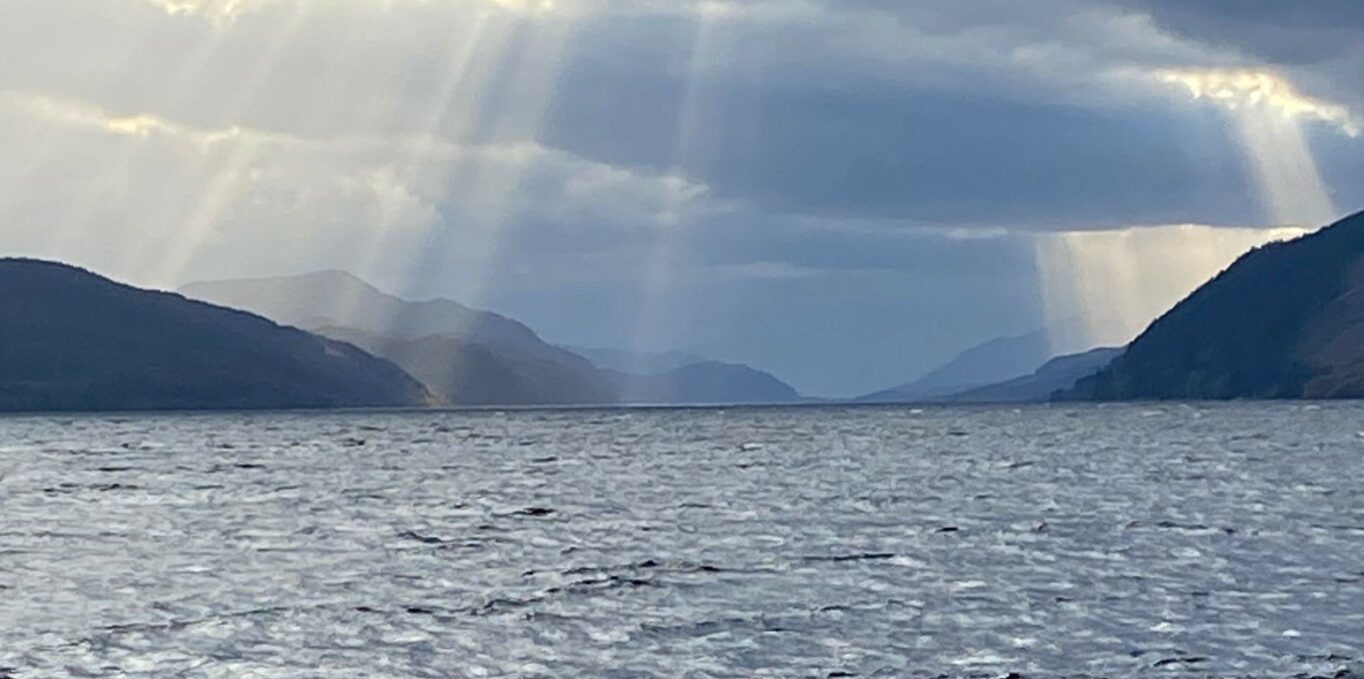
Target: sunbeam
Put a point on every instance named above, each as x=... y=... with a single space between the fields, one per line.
x=396 y=183
x=231 y=171
x=1269 y=114
x=1292 y=190
x=666 y=252
x=1109 y=284
x=521 y=65
x=426 y=145
x=1102 y=288
x=134 y=150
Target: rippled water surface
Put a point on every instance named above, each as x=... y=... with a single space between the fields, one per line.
x=1135 y=540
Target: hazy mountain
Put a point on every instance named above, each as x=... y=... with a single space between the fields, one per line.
x=336 y=299
x=471 y=357
x=1058 y=374
x=996 y=361
x=72 y=340
x=638 y=362
x=1285 y=321
x=464 y=372
x=707 y=383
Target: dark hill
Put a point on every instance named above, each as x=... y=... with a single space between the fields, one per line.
x=72 y=341
x=1285 y=321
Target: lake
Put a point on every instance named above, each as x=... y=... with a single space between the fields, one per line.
x=1148 y=540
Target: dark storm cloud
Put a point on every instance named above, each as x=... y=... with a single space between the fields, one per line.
x=847 y=138
x=1286 y=32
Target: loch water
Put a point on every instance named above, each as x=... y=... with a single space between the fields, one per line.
x=1134 y=540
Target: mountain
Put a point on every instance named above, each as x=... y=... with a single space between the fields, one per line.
x=336 y=299
x=71 y=340
x=637 y=362
x=708 y=383
x=464 y=372
x=465 y=356
x=1058 y=374
x=471 y=357
x=1286 y=320
x=996 y=361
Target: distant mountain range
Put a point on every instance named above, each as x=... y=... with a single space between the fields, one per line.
x=991 y=363
x=994 y=361
x=1057 y=375
x=705 y=383
x=643 y=377
x=74 y=341
x=471 y=357
x=1284 y=321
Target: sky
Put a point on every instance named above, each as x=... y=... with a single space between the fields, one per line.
x=844 y=192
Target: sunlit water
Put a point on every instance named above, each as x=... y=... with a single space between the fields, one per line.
x=1135 y=540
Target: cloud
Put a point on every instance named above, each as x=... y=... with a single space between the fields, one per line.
x=1304 y=32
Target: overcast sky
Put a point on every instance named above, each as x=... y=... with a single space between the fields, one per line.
x=845 y=192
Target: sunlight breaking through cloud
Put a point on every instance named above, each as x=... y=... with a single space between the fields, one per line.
x=1269 y=113
x=1250 y=89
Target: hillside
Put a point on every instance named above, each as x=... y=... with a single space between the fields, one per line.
x=1284 y=321
x=71 y=340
